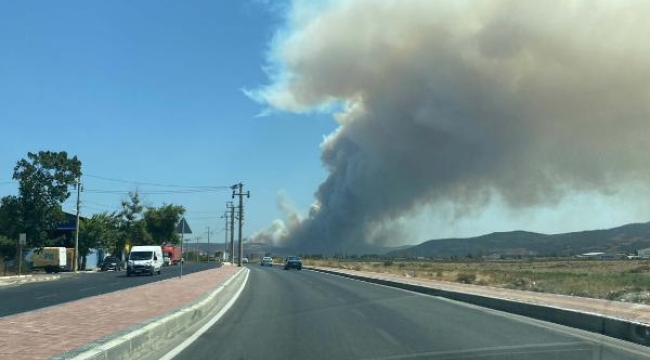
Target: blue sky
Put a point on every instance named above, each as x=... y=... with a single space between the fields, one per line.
x=151 y=91
x=155 y=92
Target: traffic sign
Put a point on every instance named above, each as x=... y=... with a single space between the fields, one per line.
x=183 y=227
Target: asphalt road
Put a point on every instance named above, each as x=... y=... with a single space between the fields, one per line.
x=74 y=286
x=308 y=315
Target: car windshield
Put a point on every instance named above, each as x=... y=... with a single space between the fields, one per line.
x=110 y=259
x=141 y=255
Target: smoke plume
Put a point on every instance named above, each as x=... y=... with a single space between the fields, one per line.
x=460 y=101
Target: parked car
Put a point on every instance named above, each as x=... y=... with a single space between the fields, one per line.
x=111 y=263
x=267 y=260
x=244 y=260
x=292 y=262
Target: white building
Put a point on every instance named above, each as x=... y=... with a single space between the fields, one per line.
x=643 y=253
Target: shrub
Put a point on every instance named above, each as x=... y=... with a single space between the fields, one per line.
x=466 y=278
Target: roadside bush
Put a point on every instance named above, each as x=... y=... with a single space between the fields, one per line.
x=388 y=263
x=466 y=278
x=640 y=269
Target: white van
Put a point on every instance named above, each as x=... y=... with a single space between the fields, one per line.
x=144 y=260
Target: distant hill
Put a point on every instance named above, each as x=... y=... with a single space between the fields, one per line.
x=623 y=239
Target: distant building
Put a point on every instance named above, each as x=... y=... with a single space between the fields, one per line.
x=643 y=253
x=597 y=255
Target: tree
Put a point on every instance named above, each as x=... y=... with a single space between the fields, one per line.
x=7 y=247
x=146 y=226
x=10 y=225
x=44 y=181
x=129 y=223
x=161 y=223
x=100 y=231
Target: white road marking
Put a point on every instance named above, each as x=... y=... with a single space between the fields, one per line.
x=358 y=313
x=177 y=350
x=45 y=296
x=388 y=337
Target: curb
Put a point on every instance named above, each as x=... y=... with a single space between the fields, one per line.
x=155 y=333
x=23 y=279
x=635 y=332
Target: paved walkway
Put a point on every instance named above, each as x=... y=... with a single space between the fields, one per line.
x=615 y=309
x=45 y=333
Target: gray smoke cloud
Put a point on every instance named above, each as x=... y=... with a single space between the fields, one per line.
x=460 y=101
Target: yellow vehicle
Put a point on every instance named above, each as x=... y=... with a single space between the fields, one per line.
x=50 y=259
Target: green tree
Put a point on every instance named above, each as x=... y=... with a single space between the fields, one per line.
x=44 y=182
x=7 y=247
x=100 y=231
x=161 y=223
x=132 y=227
x=10 y=225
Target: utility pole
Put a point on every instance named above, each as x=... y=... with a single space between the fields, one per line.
x=208 y=243
x=197 y=249
x=225 y=242
x=180 y=276
x=76 y=235
x=241 y=215
x=232 y=231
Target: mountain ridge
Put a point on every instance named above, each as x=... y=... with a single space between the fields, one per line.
x=622 y=239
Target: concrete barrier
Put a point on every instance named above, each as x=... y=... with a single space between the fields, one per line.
x=154 y=338
x=635 y=332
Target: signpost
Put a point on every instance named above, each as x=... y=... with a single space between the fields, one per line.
x=182 y=228
x=22 y=241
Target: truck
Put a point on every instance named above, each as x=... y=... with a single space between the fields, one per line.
x=50 y=259
x=173 y=253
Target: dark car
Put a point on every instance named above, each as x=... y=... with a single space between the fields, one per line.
x=111 y=263
x=292 y=262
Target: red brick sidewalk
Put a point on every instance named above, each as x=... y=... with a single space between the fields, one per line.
x=42 y=334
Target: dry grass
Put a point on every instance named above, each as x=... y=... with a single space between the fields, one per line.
x=607 y=279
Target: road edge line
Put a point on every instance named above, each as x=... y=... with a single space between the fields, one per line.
x=125 y=342
x=182 y=346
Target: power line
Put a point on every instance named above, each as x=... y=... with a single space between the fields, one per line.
x=99 y=204
x=203 y=218
x=156 y=184
x=155 y=192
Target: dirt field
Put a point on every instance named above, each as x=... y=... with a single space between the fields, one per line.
x=620 y=280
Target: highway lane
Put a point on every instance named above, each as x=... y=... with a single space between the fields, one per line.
x=308 y=315
x=15 y=299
